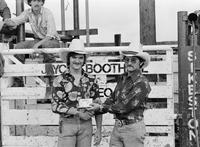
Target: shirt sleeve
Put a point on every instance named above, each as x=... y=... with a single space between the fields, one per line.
x=58 y=94
x=51 y=26
x=22 y=18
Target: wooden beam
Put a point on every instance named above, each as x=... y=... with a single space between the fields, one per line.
x=80 y=32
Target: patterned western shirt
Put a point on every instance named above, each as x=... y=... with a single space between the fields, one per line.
x=42 y=25
x=66 y=94
x=129 y=97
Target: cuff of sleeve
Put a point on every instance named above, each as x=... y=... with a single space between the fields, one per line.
x=72 y=111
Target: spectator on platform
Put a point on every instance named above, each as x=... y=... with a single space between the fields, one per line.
x=71 y=90
x=128 y=101
x=43 y=27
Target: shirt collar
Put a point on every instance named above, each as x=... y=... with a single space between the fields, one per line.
x=133 y=75
x=83 y=73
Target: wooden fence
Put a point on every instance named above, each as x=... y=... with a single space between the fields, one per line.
x=27 y=119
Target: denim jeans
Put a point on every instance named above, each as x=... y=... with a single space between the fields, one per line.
x=75 y=132
x=48 y=58
x=131 y=135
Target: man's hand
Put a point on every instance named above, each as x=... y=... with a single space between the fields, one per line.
x=10 y=23
x=85 y=115
x=94 y=107
x=97 y=137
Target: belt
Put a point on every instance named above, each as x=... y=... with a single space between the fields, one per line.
x=120 y=123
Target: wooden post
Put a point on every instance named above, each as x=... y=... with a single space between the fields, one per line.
x=20 y=28
x=189 y=98
x=76 y=16
x=147 y=22
x=87 y=23
x=117 y=39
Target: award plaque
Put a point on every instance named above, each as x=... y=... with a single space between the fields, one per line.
x=85 y=103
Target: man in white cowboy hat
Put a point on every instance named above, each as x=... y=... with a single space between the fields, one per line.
x=43 y=27
x=73 y=91
x=128 y=100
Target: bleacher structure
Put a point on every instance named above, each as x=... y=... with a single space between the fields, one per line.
x=26 y=116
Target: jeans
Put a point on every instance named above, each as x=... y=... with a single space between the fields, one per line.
x=75 y=132
x=48 y=58
x=131 y=135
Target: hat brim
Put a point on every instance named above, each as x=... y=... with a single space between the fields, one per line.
x=64 y=53
x=144 y=56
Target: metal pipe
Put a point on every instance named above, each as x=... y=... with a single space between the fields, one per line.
x=87 y=23
x=62 y=5
x=89 y=49
x=20 y=28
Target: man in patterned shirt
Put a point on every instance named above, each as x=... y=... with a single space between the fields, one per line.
x=43 y=27
x=69 y=89
x=128 y=100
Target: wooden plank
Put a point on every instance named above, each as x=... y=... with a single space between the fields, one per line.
x=159 y=141
x=24 y=141
x=158 y=91
x=24 y=93
x=79 y=32
x=159 y=129
x=162 y=117
x=108 y=68
x=30 y=117
x=46 y=117
x=44 y=141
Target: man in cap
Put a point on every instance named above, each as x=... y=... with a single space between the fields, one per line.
x=73 y=90
x=128 y=100
x=43 y=27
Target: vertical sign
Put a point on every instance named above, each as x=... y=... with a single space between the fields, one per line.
x=186 y=89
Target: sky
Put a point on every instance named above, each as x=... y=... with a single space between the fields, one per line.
x=120 y=17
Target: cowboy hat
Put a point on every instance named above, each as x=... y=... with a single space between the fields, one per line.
x=136 y=51
x=76 y=46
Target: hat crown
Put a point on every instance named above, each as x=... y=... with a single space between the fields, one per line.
x=137 y=48
x=76 y=44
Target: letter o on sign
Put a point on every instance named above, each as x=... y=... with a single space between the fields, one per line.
x=97 y=68
x=106 y=68
x=107 y=92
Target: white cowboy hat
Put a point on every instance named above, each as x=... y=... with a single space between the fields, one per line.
x=76 y=46
x=136 y=50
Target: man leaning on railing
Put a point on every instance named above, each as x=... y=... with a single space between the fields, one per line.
x=43 y=27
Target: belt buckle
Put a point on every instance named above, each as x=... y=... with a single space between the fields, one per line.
x=119 y=123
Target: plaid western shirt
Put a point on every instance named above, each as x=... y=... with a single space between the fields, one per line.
x=129 y=97
x=66 y=94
